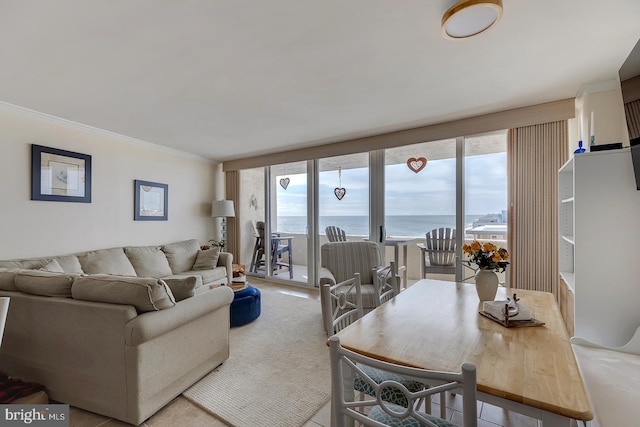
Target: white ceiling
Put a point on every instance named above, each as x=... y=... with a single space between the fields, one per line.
x=227 y=79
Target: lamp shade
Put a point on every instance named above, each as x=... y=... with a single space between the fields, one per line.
x=222 y=208
x=467 y=18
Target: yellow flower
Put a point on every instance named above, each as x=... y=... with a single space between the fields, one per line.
x=488 y=247
x=475 y=246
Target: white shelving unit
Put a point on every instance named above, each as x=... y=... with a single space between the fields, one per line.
x=599 y=260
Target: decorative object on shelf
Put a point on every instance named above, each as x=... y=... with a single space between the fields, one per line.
x=466 y=18
x=580 y=149
x=416 y=164
x=151 y=201
x=339 y=191
x=60 y=175
x=223 y=209
x=592 y=132
x=490 y=259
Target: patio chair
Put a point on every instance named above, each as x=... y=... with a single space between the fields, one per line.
x=438 y=253
x=335 y=234
x=377 y=411
x=278 y=247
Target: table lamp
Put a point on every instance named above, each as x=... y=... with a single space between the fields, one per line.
x=223 y=209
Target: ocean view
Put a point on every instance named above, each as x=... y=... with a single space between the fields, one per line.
x=397 y=225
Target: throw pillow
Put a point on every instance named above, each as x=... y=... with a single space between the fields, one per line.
x=148 y=261
x=207 y=259
x=183 y=288
x=44 y=283
x=145 y=294
x=70 y=264
x=53 y=266
x=107 y=261
x=181 y=255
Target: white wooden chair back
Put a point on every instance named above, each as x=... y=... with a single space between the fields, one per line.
x=345 y=361
x=340 y=312
x=386 y=282
x=335 y=234
x=441 y=246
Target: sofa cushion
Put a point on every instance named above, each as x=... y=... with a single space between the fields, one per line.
x=70 y=264
x=148 y=261
x=208 y=276
x=7 y=278
x=53 y=266
x=183 y=288
x=107 y=261
x=144 y=293
x=181 y=255
x=44 y=283
x=207 y=259
x=31 y=264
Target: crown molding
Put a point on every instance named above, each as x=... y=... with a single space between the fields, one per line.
x=584 y=90
x=36 y=115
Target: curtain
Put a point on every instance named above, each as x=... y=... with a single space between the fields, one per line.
x=534 y=155
x=232 y=192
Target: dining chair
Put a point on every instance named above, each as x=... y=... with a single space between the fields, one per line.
x=386 y=282
x=341 y=311
x=335 y=234
x=438 y=253
x=377 y=411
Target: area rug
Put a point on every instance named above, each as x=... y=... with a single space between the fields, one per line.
x=278 y=371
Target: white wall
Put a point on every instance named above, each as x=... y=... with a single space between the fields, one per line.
x=37 y=228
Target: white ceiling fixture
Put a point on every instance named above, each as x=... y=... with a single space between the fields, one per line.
x=467 y=18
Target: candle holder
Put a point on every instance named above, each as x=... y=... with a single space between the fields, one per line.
x=580 y=149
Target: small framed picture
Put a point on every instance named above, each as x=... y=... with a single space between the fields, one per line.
x=151 y=201
x=60 y=175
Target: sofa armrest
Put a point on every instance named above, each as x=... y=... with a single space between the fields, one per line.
x=226 y=260
x=147 y=326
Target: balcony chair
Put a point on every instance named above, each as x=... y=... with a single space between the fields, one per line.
x=438 y=253
x=380 y=412
x=277 y=248
x=335 y=234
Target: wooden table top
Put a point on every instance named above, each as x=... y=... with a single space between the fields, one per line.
x=435 y=325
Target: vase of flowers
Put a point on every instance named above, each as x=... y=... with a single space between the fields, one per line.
x=490 y=259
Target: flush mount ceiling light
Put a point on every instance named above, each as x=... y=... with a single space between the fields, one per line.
x=467 y=18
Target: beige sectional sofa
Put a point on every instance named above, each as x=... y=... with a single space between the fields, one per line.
x=118 y=331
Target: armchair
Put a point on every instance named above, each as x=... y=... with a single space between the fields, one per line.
x=341 y=260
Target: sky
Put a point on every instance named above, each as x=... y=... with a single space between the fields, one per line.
x=429 y=192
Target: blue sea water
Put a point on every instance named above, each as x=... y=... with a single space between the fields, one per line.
x=396 y=225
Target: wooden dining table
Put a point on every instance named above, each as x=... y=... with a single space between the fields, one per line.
x=436 y=325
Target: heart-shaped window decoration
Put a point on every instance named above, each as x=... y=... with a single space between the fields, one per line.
x=339 y=192
x=416 y=164
x=284 y=182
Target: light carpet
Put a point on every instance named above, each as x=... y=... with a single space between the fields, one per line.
x=278 y=371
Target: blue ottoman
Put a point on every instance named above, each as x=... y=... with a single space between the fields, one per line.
x=245 y=307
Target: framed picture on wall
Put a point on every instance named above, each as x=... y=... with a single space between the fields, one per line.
x=151 y=201
x=60 y=175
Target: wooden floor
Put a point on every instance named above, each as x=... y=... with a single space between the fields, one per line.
x=181 y=412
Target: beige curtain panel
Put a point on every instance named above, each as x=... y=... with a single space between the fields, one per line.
x=232 y=192
x=535 y=153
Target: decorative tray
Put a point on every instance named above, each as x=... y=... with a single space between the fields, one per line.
x=513 y=323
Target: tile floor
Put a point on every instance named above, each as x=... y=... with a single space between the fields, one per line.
x=181 y=412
